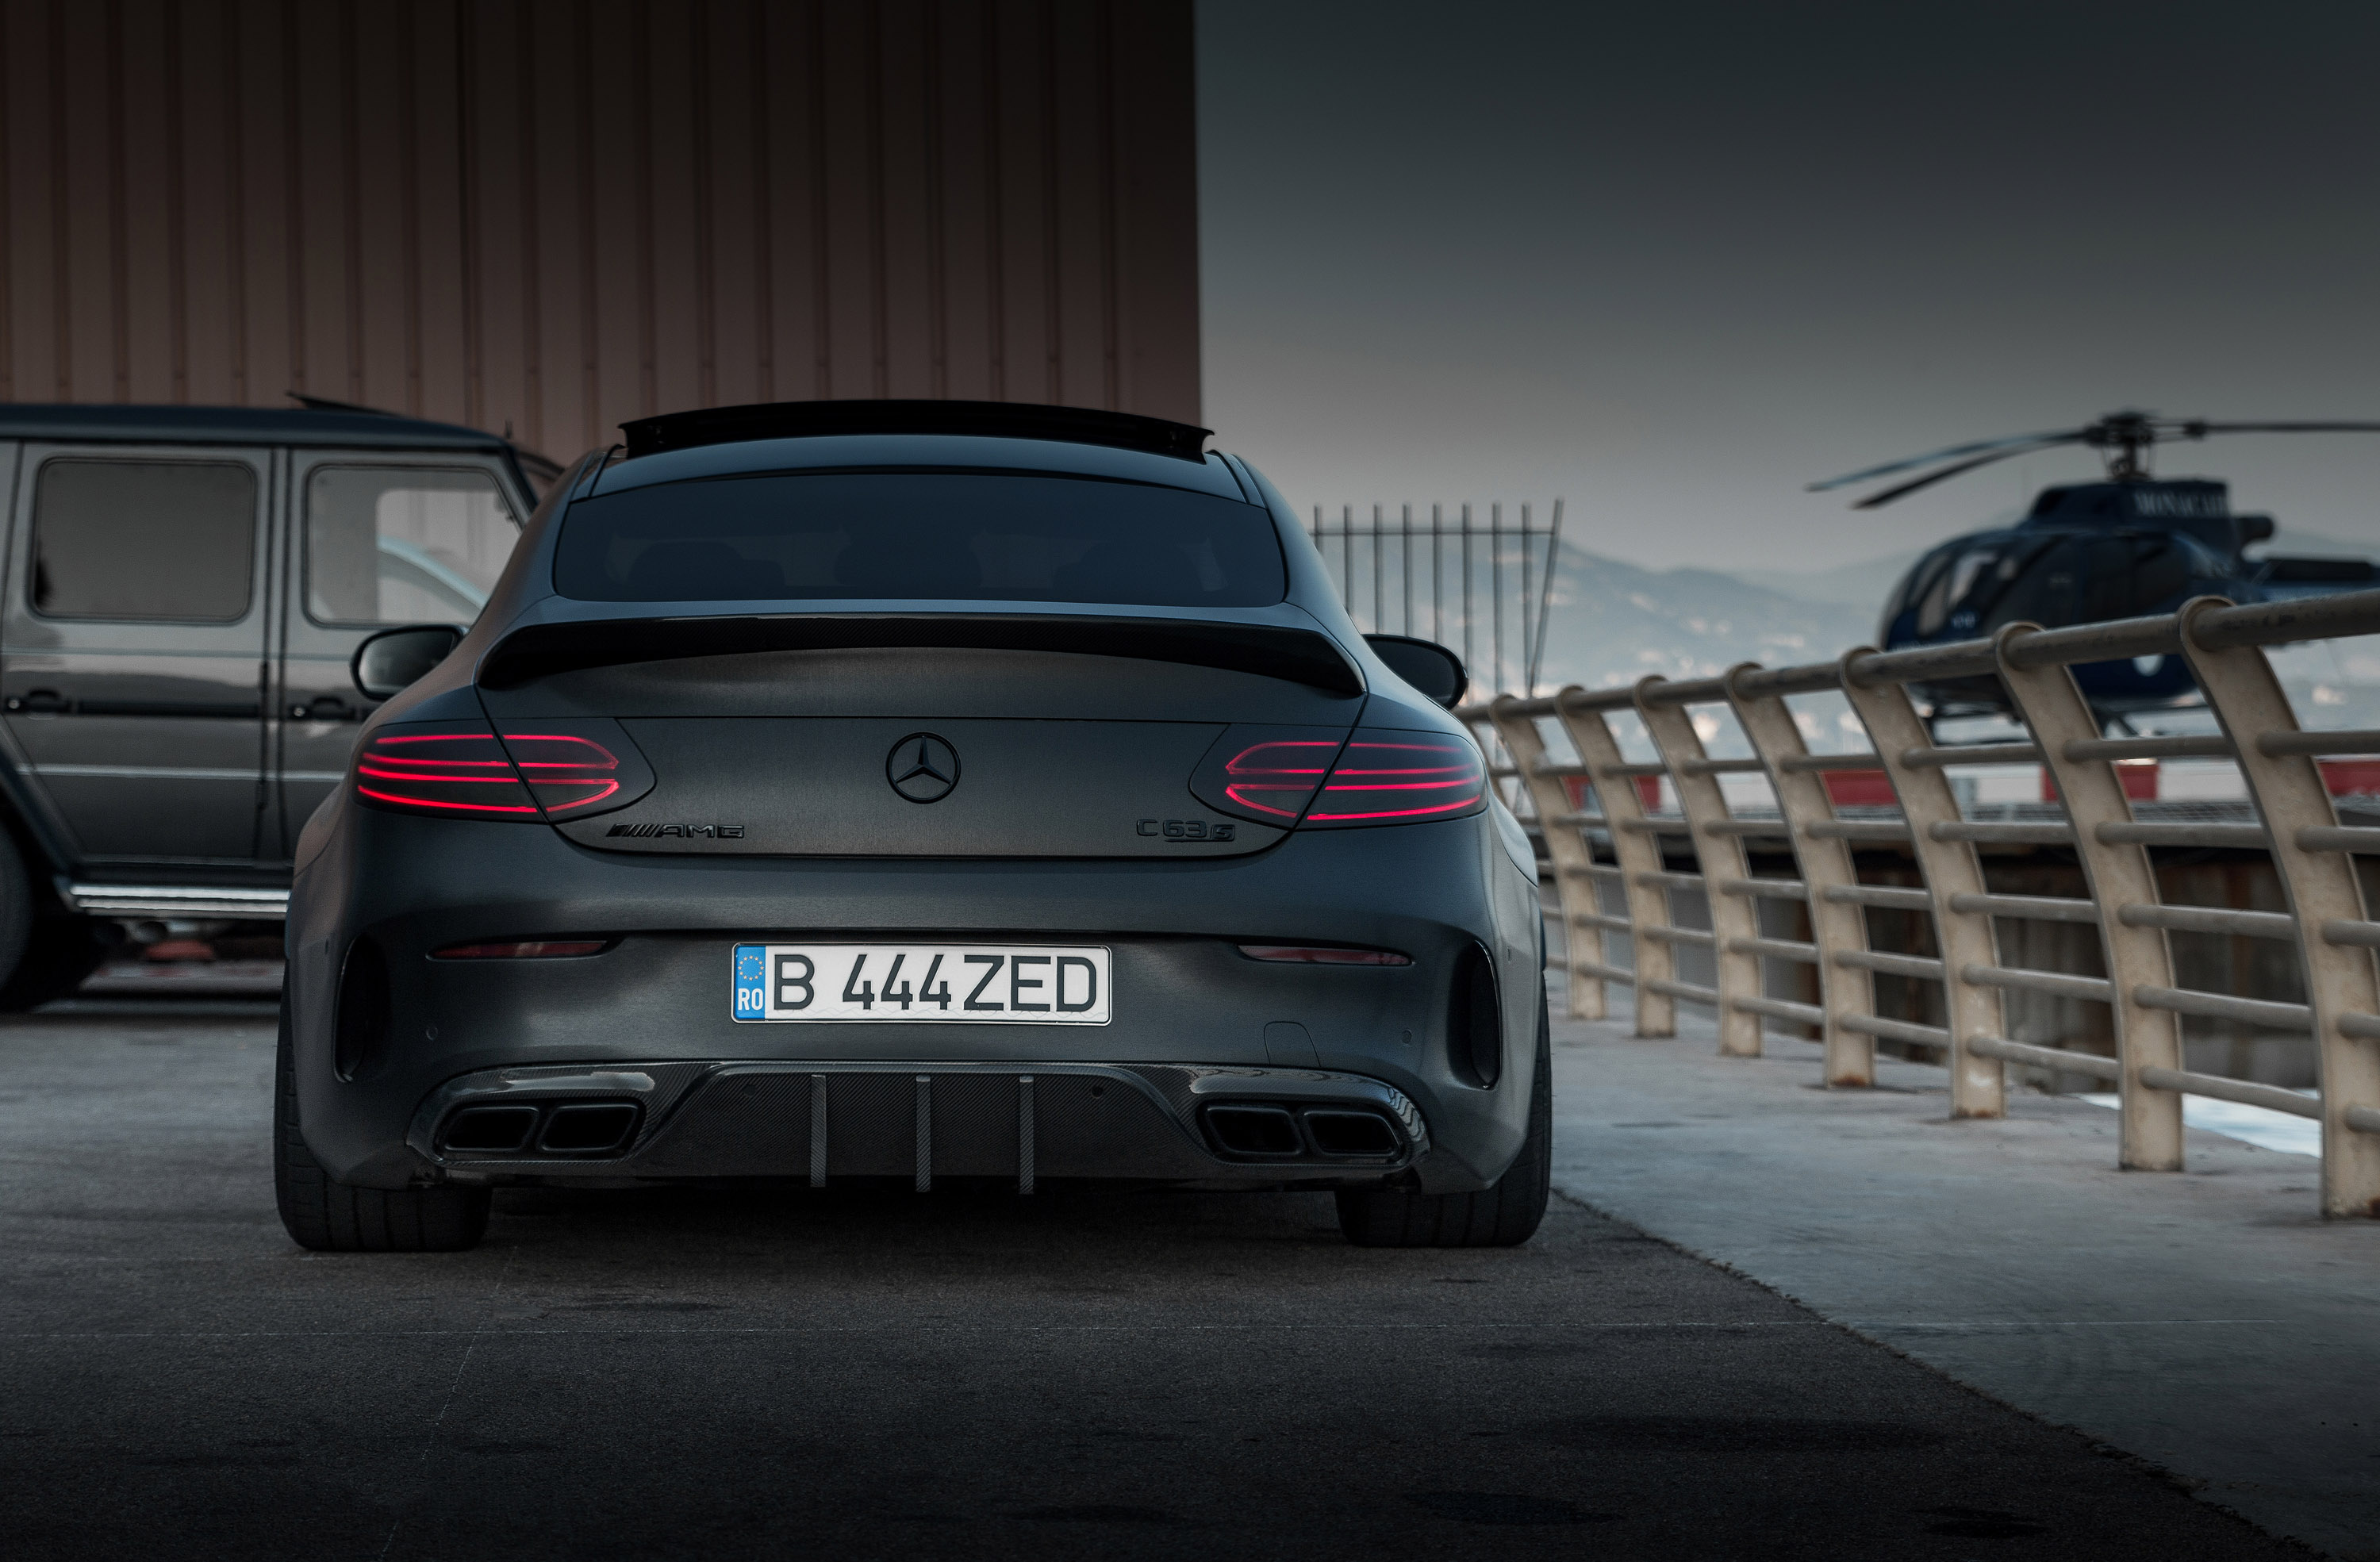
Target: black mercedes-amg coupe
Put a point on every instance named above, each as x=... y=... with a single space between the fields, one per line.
x=944 y=792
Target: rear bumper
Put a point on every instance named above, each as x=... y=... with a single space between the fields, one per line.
x=660 y=1001
x=822 y=1121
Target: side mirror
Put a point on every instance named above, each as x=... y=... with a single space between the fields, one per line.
x=1426 y=664
x=391 y=661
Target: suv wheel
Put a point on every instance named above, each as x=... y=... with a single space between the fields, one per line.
x=1504 y=1215
x=332 y=1218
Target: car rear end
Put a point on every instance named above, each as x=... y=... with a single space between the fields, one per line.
x=822 y=811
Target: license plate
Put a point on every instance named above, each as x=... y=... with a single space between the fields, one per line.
x=974 y=984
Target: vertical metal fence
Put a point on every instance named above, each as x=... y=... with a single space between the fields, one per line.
x=1479 y=586
x=1609 y=879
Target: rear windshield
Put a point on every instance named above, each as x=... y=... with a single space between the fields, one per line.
x=967 y=537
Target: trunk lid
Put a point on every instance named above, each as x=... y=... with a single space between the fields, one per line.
x=921 y=752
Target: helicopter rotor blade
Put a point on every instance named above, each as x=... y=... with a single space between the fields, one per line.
x=1877 y=501
x=2065 y=436
x=2200 y=426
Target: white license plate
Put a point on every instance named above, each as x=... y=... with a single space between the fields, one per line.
x=994 y=984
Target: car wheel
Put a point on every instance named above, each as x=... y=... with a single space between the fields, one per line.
x=329 y=1216
x=1504 y=1215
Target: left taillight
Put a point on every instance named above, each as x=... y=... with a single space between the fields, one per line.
x=468 y=769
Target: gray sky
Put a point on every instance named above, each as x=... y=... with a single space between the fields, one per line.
x=1672 y=261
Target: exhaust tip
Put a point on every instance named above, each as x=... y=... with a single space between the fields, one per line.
x=489 y=1130
x=587 y=1129
x=1266 y=1133
x=1349 y=1133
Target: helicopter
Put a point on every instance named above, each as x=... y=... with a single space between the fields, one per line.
x=2130 y=546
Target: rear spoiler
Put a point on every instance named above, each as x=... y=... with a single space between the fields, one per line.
x=1301 y=656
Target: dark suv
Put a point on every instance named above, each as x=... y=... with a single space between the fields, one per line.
x=185 y=588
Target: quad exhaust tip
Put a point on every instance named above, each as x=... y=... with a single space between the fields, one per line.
x=1259 y=1130
x=571 y=1128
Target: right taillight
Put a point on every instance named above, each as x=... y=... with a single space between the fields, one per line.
x=1389 y=776
x=525 y=771
x=1297 y=777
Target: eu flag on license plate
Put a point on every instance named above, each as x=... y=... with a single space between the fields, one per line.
x=752 y=982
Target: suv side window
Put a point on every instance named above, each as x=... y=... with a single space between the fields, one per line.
x=171 y=540
x=404 y=544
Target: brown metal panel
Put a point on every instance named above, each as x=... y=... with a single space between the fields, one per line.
x=960 y=145
x=1023 y=366
x=149 y=311
x=440 y=344
x=728 y=143
x=804 y=289
x=911 y=325
x=553 y=215
x=668 y=172
x=1156 y=153
x=200 y=119
x=83 y=158
x=1080 y=101
x=486 y=70
x=26 y=326
x=381 y=201
x=849 y=91
x=579 y=238
x=618 y=240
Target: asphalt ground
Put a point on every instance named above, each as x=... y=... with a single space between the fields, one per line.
x=859 y=1374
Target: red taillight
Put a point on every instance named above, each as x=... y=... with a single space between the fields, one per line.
x=1384 y=777
x=1308 y=777
x=566 y=773
x=1318 y=954
x=1275 y=780
x=548 y=948
x=443 y=768
x=528 y=771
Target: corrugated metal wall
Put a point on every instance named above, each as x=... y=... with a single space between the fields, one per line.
x=554 y=214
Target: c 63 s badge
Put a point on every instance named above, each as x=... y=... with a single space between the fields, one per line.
x=1187 y=829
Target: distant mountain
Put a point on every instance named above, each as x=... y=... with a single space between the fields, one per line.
x=1863 y=586
x=1612 y=623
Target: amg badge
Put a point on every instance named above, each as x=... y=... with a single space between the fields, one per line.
x=682 y=831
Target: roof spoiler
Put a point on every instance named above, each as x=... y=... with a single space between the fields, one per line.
x=1010 y=421
x=1300 y=656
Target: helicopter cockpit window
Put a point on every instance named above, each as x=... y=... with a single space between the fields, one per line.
x=1920 y=580
x=1949 y=588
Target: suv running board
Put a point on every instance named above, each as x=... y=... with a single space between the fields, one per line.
x=176 y=900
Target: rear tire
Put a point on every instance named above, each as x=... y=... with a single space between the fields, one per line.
x=331 y=1216
x=1503 y=1216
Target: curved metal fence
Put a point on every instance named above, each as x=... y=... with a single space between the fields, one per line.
x=1615 y=847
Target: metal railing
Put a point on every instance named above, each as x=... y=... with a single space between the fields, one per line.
x=2291 y=816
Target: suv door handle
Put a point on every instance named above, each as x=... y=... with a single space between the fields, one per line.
x=41 y=702
x=324 y=707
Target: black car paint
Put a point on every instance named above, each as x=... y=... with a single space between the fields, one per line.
x=659 y=994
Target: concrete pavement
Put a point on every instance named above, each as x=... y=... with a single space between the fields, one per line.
x=2208 y=1321
x=860 y=1373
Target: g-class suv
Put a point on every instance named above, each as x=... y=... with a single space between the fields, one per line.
x=185 y=588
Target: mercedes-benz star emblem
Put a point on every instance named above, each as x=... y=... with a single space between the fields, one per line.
x=922 y=768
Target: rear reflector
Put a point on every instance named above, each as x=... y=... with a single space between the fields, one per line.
x=551 y=949
x=468 y=769
x=1305 y=955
